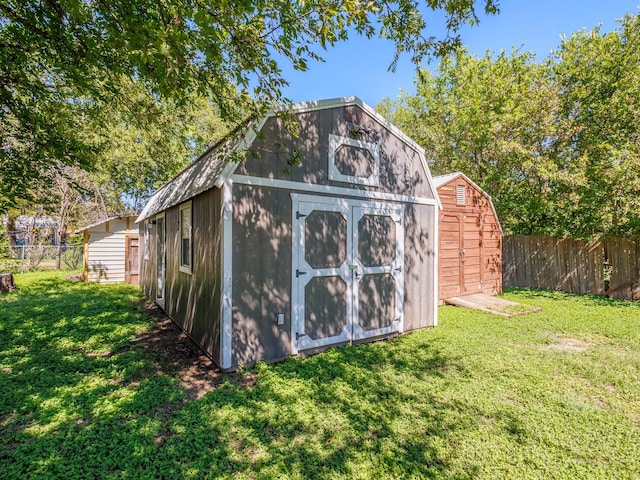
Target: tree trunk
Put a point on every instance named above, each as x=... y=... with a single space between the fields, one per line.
x=10 y=232
x=6 y=282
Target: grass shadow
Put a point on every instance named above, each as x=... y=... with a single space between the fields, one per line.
x=93 y=384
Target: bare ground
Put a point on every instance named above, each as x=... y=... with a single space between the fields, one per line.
x=175 y=354
x=569 y=345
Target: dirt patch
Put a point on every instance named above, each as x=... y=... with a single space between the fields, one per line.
x=78 y=277
x=569 y=345
x=175 y=354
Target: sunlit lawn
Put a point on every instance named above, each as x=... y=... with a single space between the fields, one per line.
x=550 y=395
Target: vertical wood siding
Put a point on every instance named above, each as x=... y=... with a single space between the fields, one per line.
x=147 y=279
x=261 y=274
x=193 y=300
x=401 y=171
x=262 y=271
x=538 y=261
x=470 y=243
x=419 y=265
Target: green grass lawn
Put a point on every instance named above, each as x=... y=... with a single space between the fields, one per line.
x=550 y=395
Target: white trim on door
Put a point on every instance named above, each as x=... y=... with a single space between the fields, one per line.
x=301 y=272
x=160 y=299
x=396 y=213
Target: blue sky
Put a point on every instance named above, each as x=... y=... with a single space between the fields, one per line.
x=359 y=67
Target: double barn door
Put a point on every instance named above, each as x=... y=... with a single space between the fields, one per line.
x=348 y=280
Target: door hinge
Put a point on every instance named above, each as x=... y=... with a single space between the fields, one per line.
x=399 y=269
x=300 y=215
x=298 y=273
x=298 y=335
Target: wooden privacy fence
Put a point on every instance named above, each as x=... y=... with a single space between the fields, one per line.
x=604 y=267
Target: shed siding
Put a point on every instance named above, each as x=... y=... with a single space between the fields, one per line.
x=261 y=234
x=147 y=279
x=106 y=248
x=193 y=300
x=401 y=170
x=419 y=262
x=261 y=274
x=106 y=257
x=262 y=271
x=474 y=228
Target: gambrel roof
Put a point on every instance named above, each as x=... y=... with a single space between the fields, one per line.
x=441 y=180
x=219 y=162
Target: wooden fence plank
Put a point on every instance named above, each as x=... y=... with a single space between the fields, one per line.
x=576 y=266
x=624 y=258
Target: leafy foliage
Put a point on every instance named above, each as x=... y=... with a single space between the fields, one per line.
x=555 y=143
x=554 y=394
x=146 y=141
x=62 y=59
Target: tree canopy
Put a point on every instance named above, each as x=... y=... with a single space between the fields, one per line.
x=555 y=142
x=61 y=61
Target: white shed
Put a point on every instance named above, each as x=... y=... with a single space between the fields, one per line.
x=111 y=251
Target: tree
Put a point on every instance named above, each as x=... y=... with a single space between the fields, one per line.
x=144 y=142
x=59 y=58
x=555 y=142
x=599 y=77
x=493 y=118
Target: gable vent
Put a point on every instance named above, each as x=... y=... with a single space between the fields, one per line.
x=460 y=195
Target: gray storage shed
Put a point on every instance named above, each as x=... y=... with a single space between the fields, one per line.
x=257 y=260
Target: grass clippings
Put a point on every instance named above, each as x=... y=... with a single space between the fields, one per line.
x=93 y=385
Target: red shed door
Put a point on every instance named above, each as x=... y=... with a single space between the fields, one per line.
x=460 y=255
x=451 y=255
x=472 y=254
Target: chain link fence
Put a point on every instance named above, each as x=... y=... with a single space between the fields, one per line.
x=36 y=257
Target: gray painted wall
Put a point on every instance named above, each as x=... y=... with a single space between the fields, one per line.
x=419 y=261
x=401 y=171
x=191 y=300
x=262 y=238
x=261 y=273
x=147 y=251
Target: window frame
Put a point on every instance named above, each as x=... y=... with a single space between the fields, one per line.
x=184 y=267
x=335 y=142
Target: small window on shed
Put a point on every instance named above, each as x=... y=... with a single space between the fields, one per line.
x=186 y=243
x=460 y=195
x=353 y=161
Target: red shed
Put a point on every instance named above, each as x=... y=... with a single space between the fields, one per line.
x=470 y=258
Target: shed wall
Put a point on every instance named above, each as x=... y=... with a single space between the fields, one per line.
x=106 y=250
x=147 y=279
x=262 y=248
x=401 y=169
x=419 y=262
x=193 y=300
x=261 y=274
x=474 y=228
